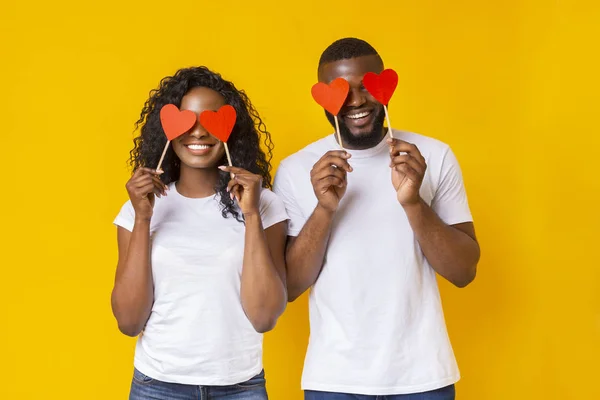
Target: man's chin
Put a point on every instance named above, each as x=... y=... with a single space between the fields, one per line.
x=361 y=140
x=362 y=137
x=361 y=133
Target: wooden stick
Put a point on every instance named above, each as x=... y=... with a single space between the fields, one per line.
x=232 y=175
x=228 y=155
x=163 y=155
x=337 y=130
x=387 y=116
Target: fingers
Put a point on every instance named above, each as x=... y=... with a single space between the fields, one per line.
x=248 y=178
x=398 y=146
x=233 y=182
x=411 y=161
x=334 y=157
x=149 y=179
x=324 y=184
x=144 y=170
x=148 y=188
x=143 y=173
x=144 y=191
x=409 y=166
x=240 y=179
x=244 y=180
x=233 y=170
x=406 y=169
x=160 y=184
x=330 y=171
x=241 y=182
x=233 y=188
x=145 y=181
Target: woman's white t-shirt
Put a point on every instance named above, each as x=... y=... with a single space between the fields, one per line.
x=198 y=333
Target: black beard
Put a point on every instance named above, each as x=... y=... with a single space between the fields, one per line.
x=361 y=142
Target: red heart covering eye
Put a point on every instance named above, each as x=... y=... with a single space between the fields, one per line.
x=174 y=122
x=219 y=123
x=331 y=97
x=381 y=86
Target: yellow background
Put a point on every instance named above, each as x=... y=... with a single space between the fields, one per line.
x=511 y=85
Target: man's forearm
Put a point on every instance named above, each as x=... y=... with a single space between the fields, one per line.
x=306 y=252
x=452 y=253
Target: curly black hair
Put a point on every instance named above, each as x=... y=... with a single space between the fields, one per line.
x=244 y=142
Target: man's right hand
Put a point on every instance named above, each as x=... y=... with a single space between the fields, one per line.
x=329 y=178
x=142 y=187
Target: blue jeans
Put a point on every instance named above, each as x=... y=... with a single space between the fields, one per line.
x=145 y=388
x=446 y=393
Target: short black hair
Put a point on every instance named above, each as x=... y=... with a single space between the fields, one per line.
x=343 y=49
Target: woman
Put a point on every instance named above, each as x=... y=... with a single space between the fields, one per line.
x=201 y=271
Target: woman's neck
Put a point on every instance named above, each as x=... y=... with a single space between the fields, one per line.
x=197 y=182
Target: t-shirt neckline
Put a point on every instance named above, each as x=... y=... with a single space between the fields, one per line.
x=173 y=189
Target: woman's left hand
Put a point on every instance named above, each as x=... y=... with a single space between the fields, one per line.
x=245 y=186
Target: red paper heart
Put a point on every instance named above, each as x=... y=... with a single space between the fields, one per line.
x=174 y=122
x=331 y=97
x=381 y=86
x=219 y=123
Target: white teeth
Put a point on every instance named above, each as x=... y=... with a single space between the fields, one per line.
x=359 y=115
x=198 y=146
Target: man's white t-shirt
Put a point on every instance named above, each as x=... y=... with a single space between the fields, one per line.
x=198 y=333
x=376 y=320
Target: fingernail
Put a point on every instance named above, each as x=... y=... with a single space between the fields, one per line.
x=222 y=168
x=227 y=189
x=231 y=195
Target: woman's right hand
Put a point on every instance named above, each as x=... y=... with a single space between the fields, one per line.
x=143 y=185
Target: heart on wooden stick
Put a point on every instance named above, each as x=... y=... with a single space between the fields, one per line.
x=381 y=86
x=174 y=122
x=219 y=123
x=331 y=97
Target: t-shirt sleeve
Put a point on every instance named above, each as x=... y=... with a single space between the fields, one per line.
x=284 y=189
x=272 y=209
x=450 y=200
x=126 y=217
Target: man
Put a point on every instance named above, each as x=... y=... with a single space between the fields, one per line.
x=369 y=229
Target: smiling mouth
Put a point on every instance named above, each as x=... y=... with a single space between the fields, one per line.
x=199 y=146
x=359 y=119
x=360 y=115
x=198 y=149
